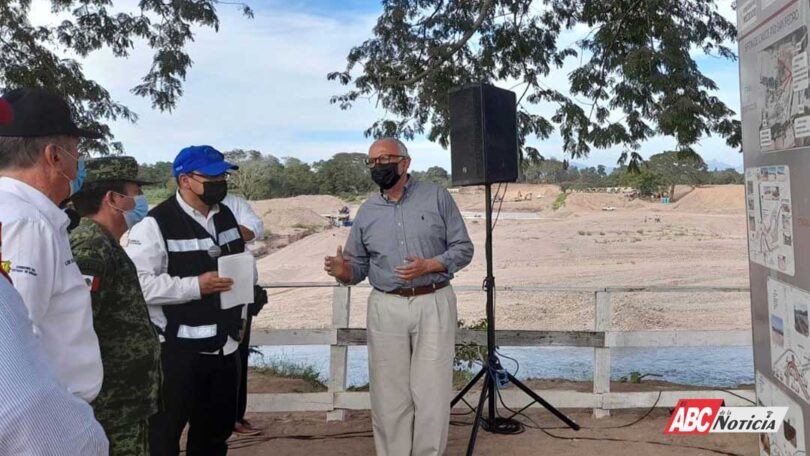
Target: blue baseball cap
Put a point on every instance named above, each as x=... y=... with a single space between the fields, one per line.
x=201 y=159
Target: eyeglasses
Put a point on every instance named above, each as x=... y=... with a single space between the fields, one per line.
x=384 y=160
x=221 y=177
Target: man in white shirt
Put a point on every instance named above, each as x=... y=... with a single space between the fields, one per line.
x=250 y=224
x=252 y=229
x=29 y=389
x=42 y=166
x=175 y=249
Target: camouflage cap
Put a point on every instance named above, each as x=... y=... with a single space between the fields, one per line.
x=118 y=168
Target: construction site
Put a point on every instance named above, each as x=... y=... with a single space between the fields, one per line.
x=658 y=275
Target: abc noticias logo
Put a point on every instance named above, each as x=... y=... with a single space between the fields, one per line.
x=704 y=416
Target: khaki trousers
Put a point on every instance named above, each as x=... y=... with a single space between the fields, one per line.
x=411 y=343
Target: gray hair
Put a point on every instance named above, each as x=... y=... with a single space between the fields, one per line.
x=23 y=153
x=403 y=150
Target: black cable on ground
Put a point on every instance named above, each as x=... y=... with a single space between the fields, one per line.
x=737 y=395
x=534 y=425
x=643 y=442
x=246 y=442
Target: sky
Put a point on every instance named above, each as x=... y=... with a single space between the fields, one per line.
x=261 y=84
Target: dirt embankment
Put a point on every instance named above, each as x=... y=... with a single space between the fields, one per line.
x=698 y=241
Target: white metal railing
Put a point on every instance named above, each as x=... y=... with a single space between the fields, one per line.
x=336 y=401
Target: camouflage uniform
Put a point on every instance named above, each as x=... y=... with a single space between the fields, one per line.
x=130 y=349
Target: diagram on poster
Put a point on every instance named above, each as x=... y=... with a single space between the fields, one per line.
x=789 y=440
x=770 y=218
x=790 y=336
x=774 y=74
x=785 y=122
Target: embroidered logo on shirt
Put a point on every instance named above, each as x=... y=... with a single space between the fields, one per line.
x=23 y=270
x=93 y=282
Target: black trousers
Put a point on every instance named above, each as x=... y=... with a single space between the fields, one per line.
x=244 y=353
x=199 y=390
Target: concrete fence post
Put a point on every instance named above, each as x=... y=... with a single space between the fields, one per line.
x=601 y=356
x=339 y=354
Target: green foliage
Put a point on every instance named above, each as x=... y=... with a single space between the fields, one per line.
x=644 y=180
x=435 y=174
x=637 y=61
x=159 y=172
x=468 y=355
x=726 y=177
x=28 y=59
x=560 y=201
x=164 y=184
x=287 y=369
x=657 y=175
x=344 y=172
x=637 y=377
x=157 y=194
x=461 y=377
x=299 y=178
x=358 y=388
x=679 y=167
x=261 y=176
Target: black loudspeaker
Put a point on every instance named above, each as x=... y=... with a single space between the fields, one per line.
x=483 y=135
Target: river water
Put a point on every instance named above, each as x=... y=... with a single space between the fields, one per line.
x=700 y=366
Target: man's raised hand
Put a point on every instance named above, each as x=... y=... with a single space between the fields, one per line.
x=338 y=266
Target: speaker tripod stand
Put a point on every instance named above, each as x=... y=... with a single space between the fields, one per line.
x=488 y=393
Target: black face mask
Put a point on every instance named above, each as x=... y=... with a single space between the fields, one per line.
x=214 y=192
x=386 y=176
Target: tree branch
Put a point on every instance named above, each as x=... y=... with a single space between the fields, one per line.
x=482 y=14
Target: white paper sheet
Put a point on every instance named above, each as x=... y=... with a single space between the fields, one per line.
x=240 y=269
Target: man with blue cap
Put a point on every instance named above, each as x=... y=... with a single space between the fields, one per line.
x=175 y=250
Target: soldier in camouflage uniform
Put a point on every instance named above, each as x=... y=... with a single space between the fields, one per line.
x=110 y=202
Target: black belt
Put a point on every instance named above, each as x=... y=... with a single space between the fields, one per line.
x=416 y=291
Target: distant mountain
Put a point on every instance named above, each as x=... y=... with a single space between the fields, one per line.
x=715 y=165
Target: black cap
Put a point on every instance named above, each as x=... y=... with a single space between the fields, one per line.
x=38 y=113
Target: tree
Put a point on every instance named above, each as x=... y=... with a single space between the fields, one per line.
x=159 y=173
x=258 y=177
x=241 y=155
x=252 y=180
x=644 y=180
x=299 y=178
x=437 y=175
x=727 y=176
x=637 y=78
x=27 y=57
x=344 y=173
x=673 y=168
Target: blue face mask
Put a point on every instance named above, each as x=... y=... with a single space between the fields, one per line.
x=138 y=212
x=76 y=184
x=81 y=172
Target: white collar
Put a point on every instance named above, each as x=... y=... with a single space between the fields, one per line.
x=36 y=198
x=194 y=213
